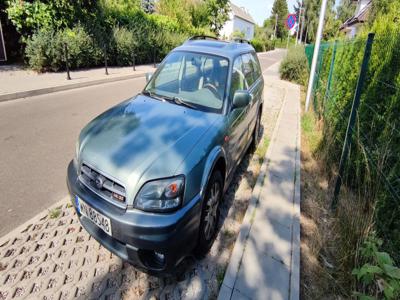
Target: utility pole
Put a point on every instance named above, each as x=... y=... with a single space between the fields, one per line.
x=288 y=37
x=302 y=26
x=306 y=35
x=316 y=52
x=276 y=25
x=298 y=24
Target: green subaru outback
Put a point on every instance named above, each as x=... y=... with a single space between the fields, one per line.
x=150 y=173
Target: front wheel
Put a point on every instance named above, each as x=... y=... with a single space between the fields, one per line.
x=210 y=214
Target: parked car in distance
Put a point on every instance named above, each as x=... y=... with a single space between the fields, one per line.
x=150 y=173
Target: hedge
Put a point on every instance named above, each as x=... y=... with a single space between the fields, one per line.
x=121 y=33
x=262 y=45
x=294 y=66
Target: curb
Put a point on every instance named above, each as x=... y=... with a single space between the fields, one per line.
x=294 y=287
x=33 y=220
x=238 y=250
x=48 y=90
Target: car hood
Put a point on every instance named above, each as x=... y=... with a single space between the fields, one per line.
x=125 y=141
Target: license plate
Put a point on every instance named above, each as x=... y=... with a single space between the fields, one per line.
x=97 y=218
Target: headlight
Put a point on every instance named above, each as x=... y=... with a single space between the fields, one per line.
x=160 y=195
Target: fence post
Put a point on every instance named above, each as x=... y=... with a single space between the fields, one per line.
x=105 y=59
x=328 y=85
x=352 y=118
x=154 y=57
x=133 y=61
x=66 y=60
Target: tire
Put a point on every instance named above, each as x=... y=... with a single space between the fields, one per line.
x=209 y=214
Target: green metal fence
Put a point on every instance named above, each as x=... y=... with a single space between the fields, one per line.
x=356 y=94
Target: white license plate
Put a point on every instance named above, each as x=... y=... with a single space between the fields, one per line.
x=97 y=218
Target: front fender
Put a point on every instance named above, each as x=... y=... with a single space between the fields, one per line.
x=216 y=153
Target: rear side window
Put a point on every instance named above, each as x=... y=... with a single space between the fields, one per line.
x=248 y=69
x=238 y=81
x=256 y=65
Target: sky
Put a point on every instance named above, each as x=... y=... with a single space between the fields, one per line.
x=261 y=9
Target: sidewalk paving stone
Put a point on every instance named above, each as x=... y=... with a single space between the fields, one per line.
x=270 y=256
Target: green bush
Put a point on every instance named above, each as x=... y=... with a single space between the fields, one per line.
x=294 y=67
x=119 y=26
x=261 y=45
x=82 y=49
x=269 y=45
x=258 y=45
x=45 y=49
x=378 y=276
x=124 y=44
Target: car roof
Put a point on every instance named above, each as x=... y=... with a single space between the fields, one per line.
x=217 y=47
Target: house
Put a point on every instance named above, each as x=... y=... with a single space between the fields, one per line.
x=351 y=25
x=239 y=21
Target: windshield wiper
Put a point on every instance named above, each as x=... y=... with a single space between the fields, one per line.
x=175 y=99
x=152 y=95
x=179 y=101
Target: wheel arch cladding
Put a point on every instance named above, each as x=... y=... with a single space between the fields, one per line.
x=215 y=160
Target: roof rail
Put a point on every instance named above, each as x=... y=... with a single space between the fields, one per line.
x=202 y=37
x=241 y=40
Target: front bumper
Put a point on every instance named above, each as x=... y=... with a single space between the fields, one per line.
x=137 y=234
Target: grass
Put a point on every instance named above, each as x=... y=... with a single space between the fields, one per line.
x=330 y=240
x=262 y=149
x=221 y=275
x=228 y=233
x=311 y=132
x=55 y=213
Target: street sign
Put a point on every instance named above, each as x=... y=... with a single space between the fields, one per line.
x=3 y=55
x=290 y=21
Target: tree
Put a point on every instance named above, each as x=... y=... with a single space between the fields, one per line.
x=381 y=6
x=345 y=10
x=263 y=33
x=311 y=13
x=199 y=13
x=238 y=34
x=218 y=11
x=280 y=9
x=176 y=9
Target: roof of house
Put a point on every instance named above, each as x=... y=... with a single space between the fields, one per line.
x=241 y=13
x=359 y=17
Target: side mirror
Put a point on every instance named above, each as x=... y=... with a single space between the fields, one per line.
x=241 y=99
x=148 y=76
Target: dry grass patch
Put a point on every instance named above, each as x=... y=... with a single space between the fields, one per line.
x=330 y=239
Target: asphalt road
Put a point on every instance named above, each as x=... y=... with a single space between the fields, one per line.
x=38 y=136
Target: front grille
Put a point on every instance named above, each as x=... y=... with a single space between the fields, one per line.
x=102 y=185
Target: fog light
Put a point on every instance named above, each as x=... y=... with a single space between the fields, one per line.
x=152 y=259
x=159 y=256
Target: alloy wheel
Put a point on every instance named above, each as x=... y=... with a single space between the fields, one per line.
x=211 y=217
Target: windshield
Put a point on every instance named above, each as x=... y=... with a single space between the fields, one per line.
x=197 y=80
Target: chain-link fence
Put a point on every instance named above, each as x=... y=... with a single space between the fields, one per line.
x=356 y=94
